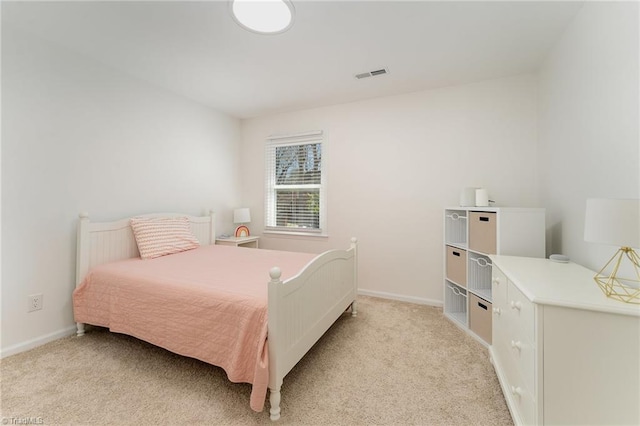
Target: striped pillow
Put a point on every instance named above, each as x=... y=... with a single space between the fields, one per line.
x=162 y=236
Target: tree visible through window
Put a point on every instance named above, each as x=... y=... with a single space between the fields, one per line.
x=294 y=185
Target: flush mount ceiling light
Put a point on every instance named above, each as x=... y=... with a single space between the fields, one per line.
x=263 y=16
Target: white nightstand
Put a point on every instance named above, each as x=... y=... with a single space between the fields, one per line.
x=251 y=242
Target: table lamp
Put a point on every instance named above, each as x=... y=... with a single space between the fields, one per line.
x=241 y=216
x=616 y=222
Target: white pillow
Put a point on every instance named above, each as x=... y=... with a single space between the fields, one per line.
x=162 y=236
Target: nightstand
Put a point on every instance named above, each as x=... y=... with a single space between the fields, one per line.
x=251 y=242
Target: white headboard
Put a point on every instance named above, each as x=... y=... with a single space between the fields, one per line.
x=103 y=242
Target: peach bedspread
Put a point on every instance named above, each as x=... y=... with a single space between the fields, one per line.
x=209 y=303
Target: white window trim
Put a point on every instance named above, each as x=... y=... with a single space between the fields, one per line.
x=297 y=139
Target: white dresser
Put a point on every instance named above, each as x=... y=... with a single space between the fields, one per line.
x=563 y=352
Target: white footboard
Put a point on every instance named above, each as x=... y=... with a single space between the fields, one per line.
x=303 y=308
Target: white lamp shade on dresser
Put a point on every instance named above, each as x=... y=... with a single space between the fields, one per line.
x=613 y=221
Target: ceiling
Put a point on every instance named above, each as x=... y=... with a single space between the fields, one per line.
x=196 y=49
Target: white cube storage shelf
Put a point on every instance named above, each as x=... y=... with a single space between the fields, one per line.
x=471 y=234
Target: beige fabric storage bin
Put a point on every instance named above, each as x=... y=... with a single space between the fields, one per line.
x=457 y=265
x=482 y=232
x=480 y=317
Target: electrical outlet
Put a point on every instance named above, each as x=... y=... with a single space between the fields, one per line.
x=35 y=302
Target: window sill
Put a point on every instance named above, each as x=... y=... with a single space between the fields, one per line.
x=296 y=234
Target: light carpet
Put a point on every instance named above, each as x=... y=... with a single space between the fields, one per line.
x=394 y=364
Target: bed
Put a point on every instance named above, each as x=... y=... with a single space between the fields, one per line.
x=280 y=303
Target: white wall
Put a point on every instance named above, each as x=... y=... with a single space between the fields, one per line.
x=77 y=136
x=589 y=138
x=395 y=162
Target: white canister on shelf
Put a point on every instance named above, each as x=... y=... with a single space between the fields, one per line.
x=482 y=197
x=468 y=197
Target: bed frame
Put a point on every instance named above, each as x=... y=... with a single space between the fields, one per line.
x=301 y=309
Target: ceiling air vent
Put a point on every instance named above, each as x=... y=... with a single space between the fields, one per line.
x=372 y=73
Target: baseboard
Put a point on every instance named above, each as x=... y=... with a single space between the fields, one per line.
x=39 y=341
x=400 y=297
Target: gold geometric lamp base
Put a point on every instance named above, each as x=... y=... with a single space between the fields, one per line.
x=623 y=289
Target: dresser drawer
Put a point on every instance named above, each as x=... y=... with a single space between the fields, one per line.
x=498 y=287
x=521 y=314
x=501 y=350
x=499 y=301
x=517 y=390
x=524 y=402
x=522 y=353
x=500 y=331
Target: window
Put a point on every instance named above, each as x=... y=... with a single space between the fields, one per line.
x=295 y=200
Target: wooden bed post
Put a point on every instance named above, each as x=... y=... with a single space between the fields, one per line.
x=275 y=375
x=354 y=247
x=82 y=260
x=212 y=232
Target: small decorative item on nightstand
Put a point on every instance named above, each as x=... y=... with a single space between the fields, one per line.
x=617 y=223
x=242 y=216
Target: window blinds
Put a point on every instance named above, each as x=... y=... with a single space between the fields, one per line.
x=294 y=183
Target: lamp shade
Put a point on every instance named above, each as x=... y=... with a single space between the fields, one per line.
x=613 y=221
x=242 y=215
